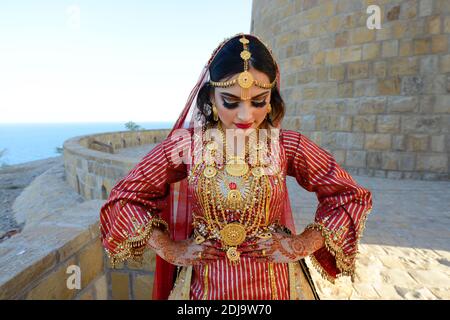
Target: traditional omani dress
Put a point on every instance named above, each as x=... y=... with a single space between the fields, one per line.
x=135 y=203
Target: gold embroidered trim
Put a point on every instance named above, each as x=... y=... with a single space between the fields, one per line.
x=134 y=246
x=205 y=282
x=272 y=282
x=344 y=262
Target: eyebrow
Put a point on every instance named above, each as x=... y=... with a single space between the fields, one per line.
x=239 y=98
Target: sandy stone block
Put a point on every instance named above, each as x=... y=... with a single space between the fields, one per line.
x=388 y=124
x=371 y=51
x=422 y=46
x=357 y=70
x=417 y=142
x=439 y=43
x=356 y=158
x=389 y=161
x=15 y=276
x=372 y=105
x=399 y=277
x=385 y=33
x=438 y=143
x=378 y=141
x=402 y=104
x=431 y=278
x=365 y=123
x=318 y=58
x=404 y=66
x=91 y=262
x=54 y=286
x=73 y=246
x=391 y=262
x=120 y=286
x=425 y=8
x=389 y=49
x=332 y=56
x=442 y=104
x=366 y=290
x=87 y=295
x=307 y=122
x=341 y=39
x=447 y=24
x=350 y=54
x=336 y=73
x=406 y=48
x=387 y=292
x=380 y=69
x=444 y=65
x=415 y=294
x=441 y=293
x=374 y=160
x=101 y=288
x=361 y=35
x=408 y=9
x=389 y=86
x=421 y=124
x=345 y=90
x=143 y=287
x=398 y=143
x=311 y=93
x=434 y=25
x=432 y=162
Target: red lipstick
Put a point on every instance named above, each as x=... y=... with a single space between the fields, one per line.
x=243 y=125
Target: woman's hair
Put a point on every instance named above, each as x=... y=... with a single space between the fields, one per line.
x=228 y=62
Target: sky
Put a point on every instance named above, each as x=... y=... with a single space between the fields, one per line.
x=107 y=61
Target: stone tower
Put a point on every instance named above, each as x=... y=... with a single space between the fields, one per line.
x=378 y=99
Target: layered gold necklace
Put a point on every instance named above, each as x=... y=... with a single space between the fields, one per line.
x=235 y=197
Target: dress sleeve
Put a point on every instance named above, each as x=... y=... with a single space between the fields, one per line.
x=343 y=204
x=136 y=201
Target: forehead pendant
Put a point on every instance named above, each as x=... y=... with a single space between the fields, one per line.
x=245 y=79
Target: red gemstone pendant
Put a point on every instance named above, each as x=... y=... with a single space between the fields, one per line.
x=232 y=185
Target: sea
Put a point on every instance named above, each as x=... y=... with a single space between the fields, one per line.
x=25 y=142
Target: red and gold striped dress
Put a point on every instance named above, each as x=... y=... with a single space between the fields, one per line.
x=340 y=216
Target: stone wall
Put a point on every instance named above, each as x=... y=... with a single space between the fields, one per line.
x=34 y=263
x=92 y=170
x=93 y=165
x=379 y=100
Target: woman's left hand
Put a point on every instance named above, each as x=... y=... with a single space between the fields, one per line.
x=283 y=248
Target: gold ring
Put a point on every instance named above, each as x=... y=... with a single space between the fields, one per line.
x=200 y=255
x=263 y=252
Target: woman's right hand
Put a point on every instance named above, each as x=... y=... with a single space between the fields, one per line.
x=186 y=252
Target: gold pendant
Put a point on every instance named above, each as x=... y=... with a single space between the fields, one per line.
x=209 y=171
x=233 y=255
x=236 y=167
x=245 y=80
x=257 y=172
x=233 y=234
x=199 y=239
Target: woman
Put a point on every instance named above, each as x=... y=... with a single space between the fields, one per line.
x=220 y=209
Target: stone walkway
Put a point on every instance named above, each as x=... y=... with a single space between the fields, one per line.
x=405 y=250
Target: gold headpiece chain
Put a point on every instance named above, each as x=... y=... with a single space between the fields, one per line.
x=245 y=78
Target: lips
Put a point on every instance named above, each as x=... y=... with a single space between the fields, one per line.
x=243 y=125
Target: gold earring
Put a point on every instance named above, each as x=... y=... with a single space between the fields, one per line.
x=215 y=113
x=269 y=109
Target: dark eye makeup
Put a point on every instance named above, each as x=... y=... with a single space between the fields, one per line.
x=232 y=105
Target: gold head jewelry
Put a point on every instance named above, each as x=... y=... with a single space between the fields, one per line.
x=245 y=79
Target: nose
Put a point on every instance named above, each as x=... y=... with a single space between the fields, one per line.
x=245 y=112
